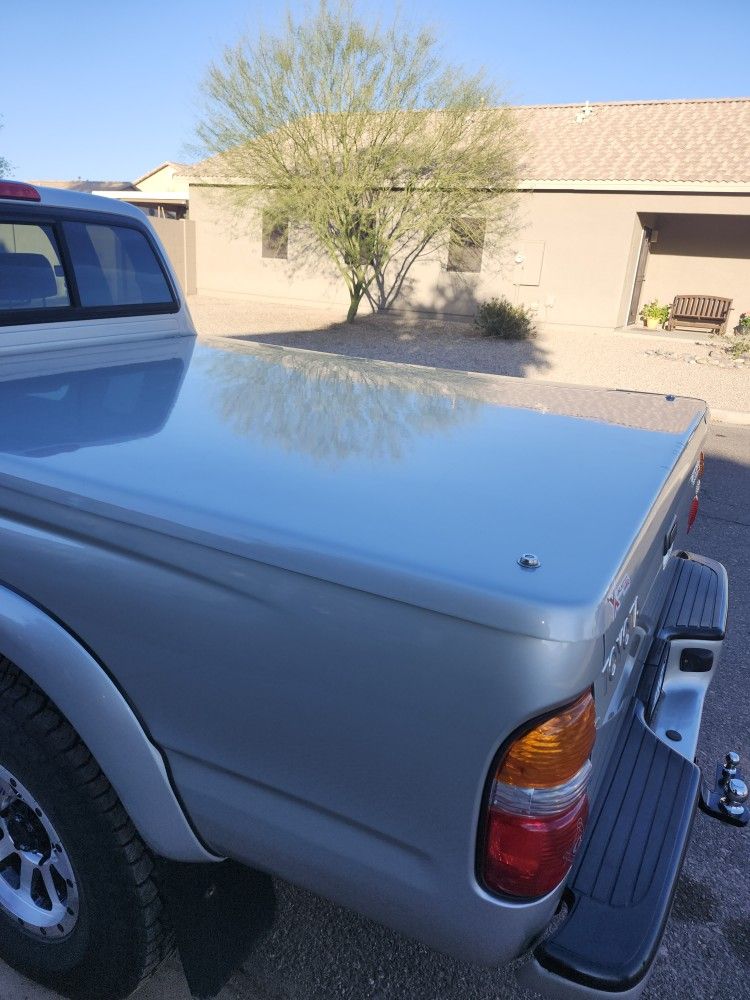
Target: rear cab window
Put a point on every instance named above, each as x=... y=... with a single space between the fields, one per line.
x=31 y=273
x=77 y=267
x=115 y=266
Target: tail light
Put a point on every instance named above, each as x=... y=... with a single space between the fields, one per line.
x=19 y=191
x=695 y=479
x=693 y=512
x=538 y=805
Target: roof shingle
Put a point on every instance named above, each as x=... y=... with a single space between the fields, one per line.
x=704 y=141
x=660 y=141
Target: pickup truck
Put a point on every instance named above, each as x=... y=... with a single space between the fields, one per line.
x=424 y=642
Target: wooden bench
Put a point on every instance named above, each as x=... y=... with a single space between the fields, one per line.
x=705 y=312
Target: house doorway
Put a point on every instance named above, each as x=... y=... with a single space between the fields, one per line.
x=689 y=253
x=640 y=275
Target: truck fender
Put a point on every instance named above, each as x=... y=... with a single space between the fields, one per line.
x=82 y=690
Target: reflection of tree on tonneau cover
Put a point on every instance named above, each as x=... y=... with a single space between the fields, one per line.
x=333 y=408
x=336 y=408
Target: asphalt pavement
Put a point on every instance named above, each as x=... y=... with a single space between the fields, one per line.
x=318 y=951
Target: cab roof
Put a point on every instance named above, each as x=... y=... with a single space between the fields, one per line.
x=62 y=198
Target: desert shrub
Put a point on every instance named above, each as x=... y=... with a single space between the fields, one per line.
x=739 y=348
x=500 y=318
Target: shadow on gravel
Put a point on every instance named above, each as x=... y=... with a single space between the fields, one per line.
x=737 y=931
x=318 y=951
x=695 y=902
x=437 y=343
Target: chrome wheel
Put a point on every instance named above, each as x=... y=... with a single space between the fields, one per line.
x=37 y=884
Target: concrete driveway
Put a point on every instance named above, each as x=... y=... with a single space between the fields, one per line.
x=321 y=952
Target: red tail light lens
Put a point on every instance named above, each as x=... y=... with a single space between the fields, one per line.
x=692 y=513
x=695 y=479
x=538 y=806
x=529 y=857
x=19 y=191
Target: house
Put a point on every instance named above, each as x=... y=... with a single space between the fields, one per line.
x=161 y=193
x=620 y=203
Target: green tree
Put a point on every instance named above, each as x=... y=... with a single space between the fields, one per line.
x=362 y=137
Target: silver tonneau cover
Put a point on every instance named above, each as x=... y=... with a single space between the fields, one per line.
x=422 y=485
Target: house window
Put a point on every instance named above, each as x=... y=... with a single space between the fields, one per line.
x=275 y=237
x=466 y=245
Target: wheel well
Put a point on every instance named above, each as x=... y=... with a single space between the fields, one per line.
x=84 y=693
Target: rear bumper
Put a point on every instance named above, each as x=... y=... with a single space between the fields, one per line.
x=685 y=651
x=620 y=890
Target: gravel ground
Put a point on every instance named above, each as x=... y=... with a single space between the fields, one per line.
x=619 y=359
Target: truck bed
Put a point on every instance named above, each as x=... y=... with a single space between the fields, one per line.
x=325 y=724
x=304 y=461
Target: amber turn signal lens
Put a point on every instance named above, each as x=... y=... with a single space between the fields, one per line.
x=552 y=752
x=701 y=465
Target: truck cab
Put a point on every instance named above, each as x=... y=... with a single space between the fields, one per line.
x=75 y=270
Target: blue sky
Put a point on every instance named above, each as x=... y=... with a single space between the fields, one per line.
x=106 y=91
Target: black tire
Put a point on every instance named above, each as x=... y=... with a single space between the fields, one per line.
x=120 y=936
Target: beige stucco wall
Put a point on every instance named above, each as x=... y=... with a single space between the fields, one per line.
x=163 y=179
x=229 y=257
x=584 y=242
x=578 y=251
x=178 y=239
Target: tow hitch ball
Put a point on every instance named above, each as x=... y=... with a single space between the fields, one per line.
x=728 y=799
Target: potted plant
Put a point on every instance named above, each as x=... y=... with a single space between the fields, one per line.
x=654 y=315
x=743 y=326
